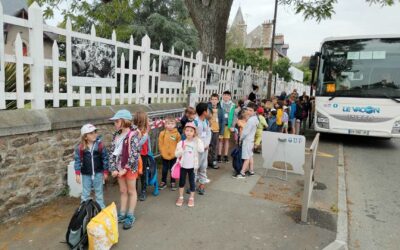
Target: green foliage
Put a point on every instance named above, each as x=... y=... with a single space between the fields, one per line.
x=10 y=70
x=165 y=21
x=281 y=67
x=246 y=57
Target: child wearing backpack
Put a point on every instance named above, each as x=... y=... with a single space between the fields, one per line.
x=167 y=141
x=91 y=164
x=260 y=128
x=124 y=164
x=217 y=125
x=141 y=121
x=204 y=133
x=188 y=151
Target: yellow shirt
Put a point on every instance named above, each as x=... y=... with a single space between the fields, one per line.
x=214 y=121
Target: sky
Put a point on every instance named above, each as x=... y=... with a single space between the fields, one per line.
x=353 y=17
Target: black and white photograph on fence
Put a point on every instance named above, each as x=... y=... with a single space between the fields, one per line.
x=239 y=77
x=212 y=75
x=93 y=63
x=171 y=69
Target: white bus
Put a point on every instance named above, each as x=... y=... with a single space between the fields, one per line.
x=358 y=86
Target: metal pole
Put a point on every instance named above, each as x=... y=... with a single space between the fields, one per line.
x=271 y=59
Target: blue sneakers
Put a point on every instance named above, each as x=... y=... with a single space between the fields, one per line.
x=121 y=217
x=129 y=220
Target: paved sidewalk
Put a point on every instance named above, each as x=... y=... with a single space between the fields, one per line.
x=254 y=213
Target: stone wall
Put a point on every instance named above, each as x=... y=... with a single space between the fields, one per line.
x=33 y=164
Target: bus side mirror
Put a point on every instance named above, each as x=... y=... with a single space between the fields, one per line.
x=313 y=63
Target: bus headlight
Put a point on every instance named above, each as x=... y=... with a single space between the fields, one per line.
x=396 y=127
x=322 y=121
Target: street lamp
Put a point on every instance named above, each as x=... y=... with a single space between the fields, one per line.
x=271 y=59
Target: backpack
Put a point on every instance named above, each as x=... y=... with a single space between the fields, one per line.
x=76 y=235
x=237 y=161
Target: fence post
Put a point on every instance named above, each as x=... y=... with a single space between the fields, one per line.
x=145 y=69
x=37 y=54
x=229 y=85
x=56 y=75
x=19 y=72
x=2 y=70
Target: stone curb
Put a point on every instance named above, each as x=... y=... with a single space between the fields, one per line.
x=342 y=221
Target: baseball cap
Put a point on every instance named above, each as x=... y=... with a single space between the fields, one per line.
x=260 y=110
x=122 y=114
x=285 y=107
x=191 y=124
x=273 y=110
x=87 y=128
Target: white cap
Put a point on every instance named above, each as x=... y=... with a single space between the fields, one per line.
x=285 y=107
x=87 y=128
x=273 y=110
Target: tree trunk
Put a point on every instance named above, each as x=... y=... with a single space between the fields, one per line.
x=210 y=18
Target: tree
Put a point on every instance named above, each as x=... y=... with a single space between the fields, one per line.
x=165 y=21
x=246 y=58
x=281 y=67
x=210 y=17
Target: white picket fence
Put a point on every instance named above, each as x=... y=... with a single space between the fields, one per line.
x=143 y=85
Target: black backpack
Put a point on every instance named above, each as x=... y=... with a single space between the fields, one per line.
x=76 y=234
x=237 y=162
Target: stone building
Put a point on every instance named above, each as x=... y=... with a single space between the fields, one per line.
x=258 y=38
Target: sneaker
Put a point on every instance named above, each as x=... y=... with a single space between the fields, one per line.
x=142 y=196
x=226 y=159
x=129 y=220
x=162 y=186
x=202 y=191
x=191 y=202
x=121 y=218
x=251 y=173
x=214 y=166
x=173 y=186
x=206 y=181
x=179 y=202
x=219 y=159
x=239 y=176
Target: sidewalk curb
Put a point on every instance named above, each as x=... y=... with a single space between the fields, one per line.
x=342 y=221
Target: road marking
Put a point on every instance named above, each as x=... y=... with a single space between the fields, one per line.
x=322 y=154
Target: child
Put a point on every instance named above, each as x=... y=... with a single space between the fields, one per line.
x=247 y=141
x=285 y=120
x=272 y=126
x=124 y=162
x=189 y=115
x=91 y=162
x=167 y=141
x=188 y=153
x=204 y=133
x=216 y=119
x=260 y=128
x=229 y=112
x=141 y=121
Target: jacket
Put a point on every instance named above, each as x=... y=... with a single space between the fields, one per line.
x=130 y=156
x=85 y=166
x=167 y=141
x=220 y=117
x=199 y=149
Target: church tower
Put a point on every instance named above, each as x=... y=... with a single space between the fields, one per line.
x=238 y=31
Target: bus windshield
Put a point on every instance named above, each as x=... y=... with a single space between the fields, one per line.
x=360 y=68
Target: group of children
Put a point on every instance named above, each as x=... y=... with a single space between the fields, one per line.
x=200 y=141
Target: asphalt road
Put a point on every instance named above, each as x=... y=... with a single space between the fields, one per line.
x=373 y=181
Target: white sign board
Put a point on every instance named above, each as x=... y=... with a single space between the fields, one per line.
x=75 y=189
x=280 y=147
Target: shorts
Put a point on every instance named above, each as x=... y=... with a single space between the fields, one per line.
x=129 y=175
x=285 y=125
x=247 y=150
x=293 y=122
x=227 y=133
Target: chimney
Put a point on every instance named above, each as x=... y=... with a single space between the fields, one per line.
x=267 y=33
